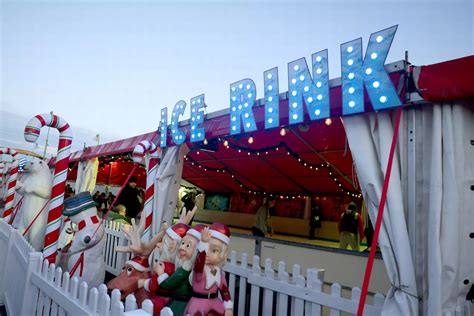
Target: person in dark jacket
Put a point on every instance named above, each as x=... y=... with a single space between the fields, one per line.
x=129 y=198
x=314 y=221
x=351 y=228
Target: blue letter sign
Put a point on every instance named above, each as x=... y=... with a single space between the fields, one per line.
x=177 y=135
x=242 y=98
x=272 y=98
x=369 y=72
x=197 y=117
x=164 y=127
x=315 y=91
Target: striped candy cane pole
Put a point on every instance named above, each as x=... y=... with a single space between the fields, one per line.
x=2 y=166
x=152 y=166
x=11 y=184
x=32 y=131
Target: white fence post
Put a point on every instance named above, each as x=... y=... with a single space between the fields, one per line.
x=255 y=289
x=5 y=247
x=282 y=299
x=30 y=297
x=243 y=287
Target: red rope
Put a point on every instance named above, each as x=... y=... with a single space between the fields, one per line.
x=15 y=210
x=34 y=219
x=383 y=198
x=80 y=261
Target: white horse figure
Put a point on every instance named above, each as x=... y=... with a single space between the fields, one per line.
x=86 y=251
x=35 y=187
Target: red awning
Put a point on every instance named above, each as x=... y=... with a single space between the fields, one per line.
x=450 y=80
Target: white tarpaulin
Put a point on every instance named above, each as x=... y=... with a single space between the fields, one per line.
x=168 y=180
x=445 y=251
x=87 y=175
x=370 y=137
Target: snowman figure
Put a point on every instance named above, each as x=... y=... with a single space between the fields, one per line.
x=86 y=251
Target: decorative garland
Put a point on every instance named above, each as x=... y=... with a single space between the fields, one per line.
x=265 y=151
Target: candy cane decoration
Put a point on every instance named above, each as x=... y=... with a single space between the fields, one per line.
x=11 y=184
x=2 y=166
x=32 y=132
x=152 y=167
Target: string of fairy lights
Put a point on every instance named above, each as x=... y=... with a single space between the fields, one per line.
x=263 y=152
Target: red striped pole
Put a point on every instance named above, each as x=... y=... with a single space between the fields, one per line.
x=11 y=184
x=32 y=132
x=139 y=152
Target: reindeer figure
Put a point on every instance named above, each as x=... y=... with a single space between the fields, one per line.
x=139 y=268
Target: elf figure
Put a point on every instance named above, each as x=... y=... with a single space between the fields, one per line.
x=208 y=277
x=162 y=269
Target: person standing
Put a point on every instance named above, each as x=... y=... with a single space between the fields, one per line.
x=261 y=226
x=314 y=221
x=129 y=198
x=351 y=228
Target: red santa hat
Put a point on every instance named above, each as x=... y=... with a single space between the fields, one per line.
x=169 y=267
x=139 y=263
x=221 y=232
x=196 y=231
x=177 y=231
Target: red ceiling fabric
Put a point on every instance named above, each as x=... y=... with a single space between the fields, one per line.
x=446 y=81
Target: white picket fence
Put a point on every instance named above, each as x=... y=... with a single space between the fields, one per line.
x=29 y=286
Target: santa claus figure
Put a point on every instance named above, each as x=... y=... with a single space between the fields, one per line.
x=208 y=279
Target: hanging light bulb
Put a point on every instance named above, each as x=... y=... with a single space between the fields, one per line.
x=250 y=140
x=205 y=142
x=282 y=131
x=328 y=121
x=226 y=143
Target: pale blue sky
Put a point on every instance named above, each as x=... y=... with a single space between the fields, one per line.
x=109 y=67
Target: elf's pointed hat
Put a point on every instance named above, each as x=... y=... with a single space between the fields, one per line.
x=139 y=263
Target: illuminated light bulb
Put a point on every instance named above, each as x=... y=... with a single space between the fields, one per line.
x=240 y=86
x=295 y=116
x=270 y=99
x=248 y=125
x=248 y=87
x=310 y=99
x=317 y=112
x=379 y=39
x=350 y=49
x=293 y=81
x=233 y=88
x=318 y=59
x=240 y=150
x=234 y=128
x=351 y=104
x=295 y=105
x=301 y=78
x=351 y=90
x=226 y=143
x=328 y=121
x=306 y=89
x=319 y=71
x=383 y=99
x=270 y=88
x=197 y=152
x=270 y=121
x=376 y=84
x=205 y=142
x=368 y=71
x=320 y=97
x=373 y=55
x=248 y=154
x=296 y=67
x=269 y=76
x=249 y=95
x=246 y=115
x=246 y=104
x=350 y=75
x=350 y=62
x=293 y=93
x=282 y=132
x=319 y=84
x=233 y=99
x=250 y=140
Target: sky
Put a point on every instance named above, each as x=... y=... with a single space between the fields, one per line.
x=108 y=67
